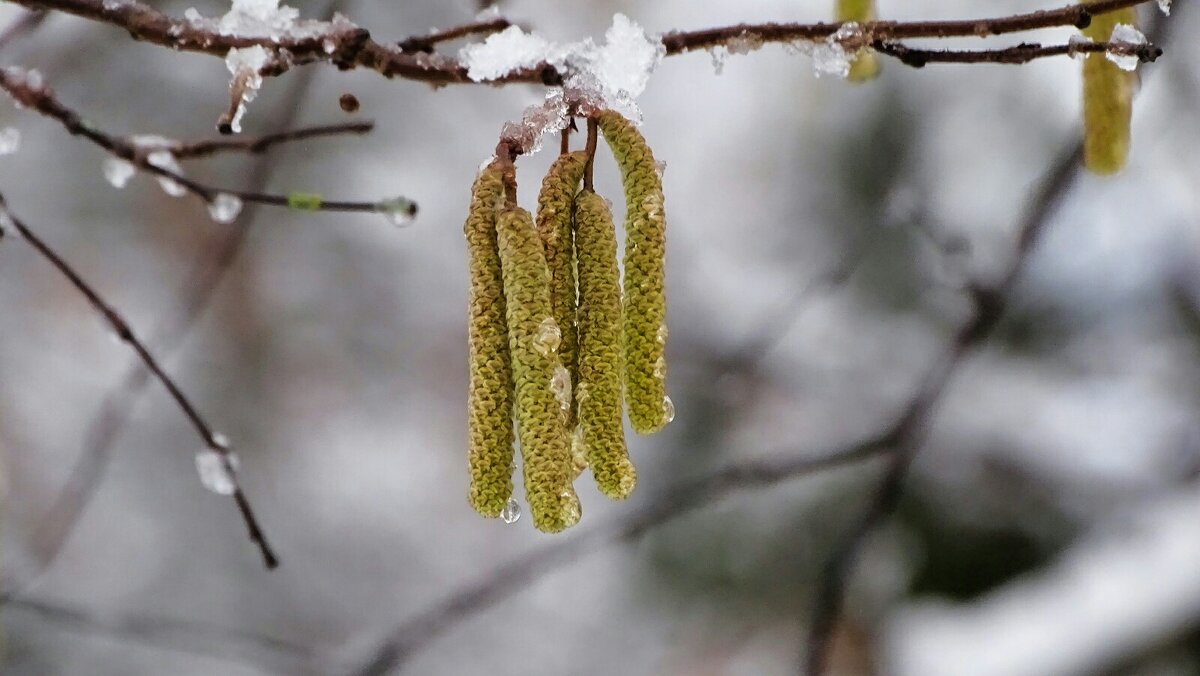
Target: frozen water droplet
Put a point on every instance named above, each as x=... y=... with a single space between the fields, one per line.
x=668 y=409
x=1165 y=6
x=578 y=449
x=1125 y=35
x=660 y=167
x=225 y=207
x=399 y=211
x=571 y=510
x=10 y=140
x=548 y=337
x=661 y=336
x=831 y=56
x=560 y=385
x=1074 y=43
x=511 y=512
x=163 y=159
x=215 y=475
x=118 y=172
x=719 y=54
x=220 y=440
x=660 y=368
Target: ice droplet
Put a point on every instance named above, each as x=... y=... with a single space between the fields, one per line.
x=571 y=510
x=163 y=159
x=660 y=168
x=668 y=409
x=560 y=385
x=225 y=207
x=578 y=449
x=214 y=474
x=660 y=368
x=830 y=57
x=118 y=172
x=548 y=337
x=1126 y=35
x=661 y=335
x=1165 y=6
x=511 y=512
x=1074 y=43
x=10 y=140
x=399 y=211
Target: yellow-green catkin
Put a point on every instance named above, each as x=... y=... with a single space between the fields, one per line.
x=555 y=202
x=865 y=65
x=1107 y=99
x=599 y=388
x=543 y=387
x=490 y=398
x=645 y=306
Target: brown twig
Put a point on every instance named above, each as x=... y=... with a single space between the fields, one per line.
x=349 y=46
x=22 y=26
x=28 y=92
x=593 y=130
x=212 y=440
x=1018 y=54
x=261 y=144
x=426 y=43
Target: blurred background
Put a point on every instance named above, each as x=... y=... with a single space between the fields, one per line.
x=820 y=237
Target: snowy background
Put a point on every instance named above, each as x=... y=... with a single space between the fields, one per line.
x=1052 y=522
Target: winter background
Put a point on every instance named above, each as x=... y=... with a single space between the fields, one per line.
x=1051 y=524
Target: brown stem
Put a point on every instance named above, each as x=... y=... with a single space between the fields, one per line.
x=592 y=133
x=426 y=43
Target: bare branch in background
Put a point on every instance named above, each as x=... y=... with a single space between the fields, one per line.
x=212 y=439
x=261 y=144
x=24 y=25
x=427 y=43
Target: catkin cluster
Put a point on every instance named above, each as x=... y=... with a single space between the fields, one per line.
x=558 y=339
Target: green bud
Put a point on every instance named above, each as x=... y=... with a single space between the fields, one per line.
x=304 y=201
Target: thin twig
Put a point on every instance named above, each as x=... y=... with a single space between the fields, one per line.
x=22 y=26
x=426 y=43
x=349 y=46
x=1016 y=55
x=189 y=636
x=261 y=144
x=25 y=89
x=510 y=578
x=125 y=333
x=593 y=129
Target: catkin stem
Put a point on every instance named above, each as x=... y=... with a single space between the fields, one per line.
x=1107 y=100
x=865 y=64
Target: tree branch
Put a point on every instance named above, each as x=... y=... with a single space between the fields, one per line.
x=1016 y=55
x=261 y=144
x=212 y=440
x=426 y=43
x=27 y=90
x=348 y=46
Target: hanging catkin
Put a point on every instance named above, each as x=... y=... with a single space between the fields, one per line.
x=543 y=387
x=599 y=388
x=490 y=398
x=1107 y=99
x=864 y=65
x=554 y=227
x=645 y=330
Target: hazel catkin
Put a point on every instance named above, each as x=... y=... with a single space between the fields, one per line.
x=542 y=384
x=645 y=307
x=599 y=388
x=490 y=390
x=1107 y=99
x=555 y=203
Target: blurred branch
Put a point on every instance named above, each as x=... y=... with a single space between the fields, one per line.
x=261 y=144
x=514 y=576
x=26 y=89
x=1019 y=54
x=124 y=331
x=347 y=46
x=198 y=638
x=22 y=26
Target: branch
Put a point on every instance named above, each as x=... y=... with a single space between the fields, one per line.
x=261 y=144
x=190 y=636
x=426 y=43
x=508 y=579
x=347 y=46
x=22 y=26
x=1019 y=54
x=212 y=440
x=26 y=88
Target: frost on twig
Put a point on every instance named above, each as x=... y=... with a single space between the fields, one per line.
x=595 y=77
